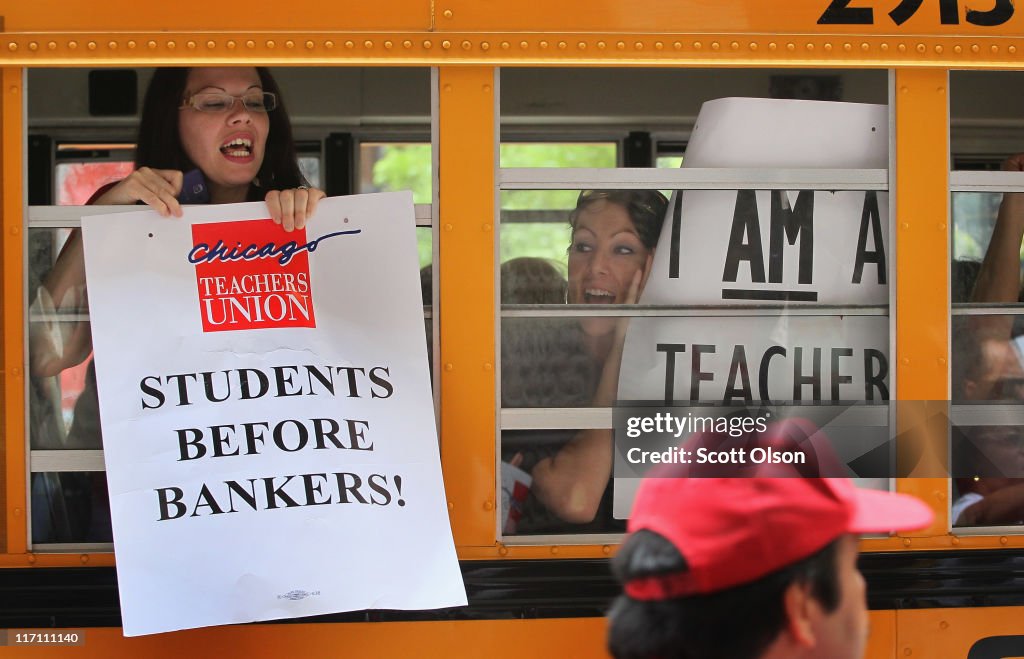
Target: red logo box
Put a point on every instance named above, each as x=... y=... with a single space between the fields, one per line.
x=251 y=275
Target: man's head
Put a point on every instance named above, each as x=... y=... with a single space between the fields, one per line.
x=747 y=568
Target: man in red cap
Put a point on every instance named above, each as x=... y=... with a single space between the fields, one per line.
x=749 y=568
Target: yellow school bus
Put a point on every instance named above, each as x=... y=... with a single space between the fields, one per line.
x=481 y=107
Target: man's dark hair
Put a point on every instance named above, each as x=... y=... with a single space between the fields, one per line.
x=159 y=141
x=737 y=623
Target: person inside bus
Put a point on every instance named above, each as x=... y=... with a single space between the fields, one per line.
x=988 y=366
x=749 y=568
x=614 y=233
x=226 y=130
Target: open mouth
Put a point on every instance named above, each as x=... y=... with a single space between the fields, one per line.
x=598 y=296
x=240 y=147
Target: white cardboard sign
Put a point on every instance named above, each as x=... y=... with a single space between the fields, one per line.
x=267 y=418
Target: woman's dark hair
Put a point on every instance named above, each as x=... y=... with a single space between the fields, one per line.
x=159 y=141
x=737 y=623
x=645 y=207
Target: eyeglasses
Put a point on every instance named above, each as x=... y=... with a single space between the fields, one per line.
x=223 y=102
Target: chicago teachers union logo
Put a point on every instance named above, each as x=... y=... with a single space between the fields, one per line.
x=253 y=275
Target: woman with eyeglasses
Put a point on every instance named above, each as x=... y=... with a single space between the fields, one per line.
x=206 y=135
x=614 y=233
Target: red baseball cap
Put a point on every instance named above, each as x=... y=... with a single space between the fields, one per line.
x=732 y=531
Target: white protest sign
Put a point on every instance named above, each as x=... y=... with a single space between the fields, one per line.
x=747 y=246
x=750 y=247
x=267 y=418
x=728 y=247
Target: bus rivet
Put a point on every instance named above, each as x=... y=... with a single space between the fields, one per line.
x=250 y=44
x=606 y=550
x=735 y=45
x=958 y=49
x=505 y=45
x=715 y=45
x=191 y=45
x=582 y=45
x=955 y=541
x=865 y=46
x=446 y=44
x=487 y=90
x=907 y=652
x=230 y=45
x=484 y=45
x=33 y=46
x=149 y=44
x=31 y=558
x=554 y=550
x=111 y=45
x=407 y=44
x=902 y=47
x=486 y=227
x=351 y=44
x=448 y=13
x=524 y=45
x=328 y=44
x=543 y=44
x=884 y=47
x=466 y=44
x=447 y=88
x=847 y=47
x=502 y=550
x=91 y=45
x=697 y=45
x=12 y=46
x=84 y=558
x=995 y=49
x=943 y=624
x=975 y=48
x=677 y=45
x=906 y=542
x=14 y=230
x=387 y=44
x=53 y=45
x=17 y=512
x=1011 y=49
x=942 y=361
x=428 y=45
x=601 y=45
x=449 y=366
x=289 y=44
x=621 y=45
x=658 y=45
x=448 y=227
x=16 y=371
x=451 y=505
x=367 y=44
x=905 y=360
x=790 y=46
x=1003 y=540
x=938 y=48
x=904 y=225
x=921 y=47
x=810 y=46
x=772 y=45
x=488 y=505
x=488 y=366
x=562 y=45
x=171 y=45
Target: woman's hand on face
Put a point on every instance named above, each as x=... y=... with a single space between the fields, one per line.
x=293 y=208
x=157 y=188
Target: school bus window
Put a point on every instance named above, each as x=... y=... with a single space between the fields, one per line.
x=66 y=486
x=987 y=367
x=389 y=166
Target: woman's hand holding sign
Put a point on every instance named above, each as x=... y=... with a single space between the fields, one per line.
x=157 y=188
x=292 y=208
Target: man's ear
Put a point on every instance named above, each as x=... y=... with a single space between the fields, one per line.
x=799 y=607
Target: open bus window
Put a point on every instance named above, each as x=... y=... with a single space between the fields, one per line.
x=578 y=333
x=987 y=361
x=82 y=155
